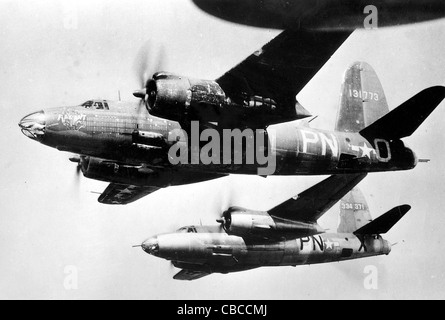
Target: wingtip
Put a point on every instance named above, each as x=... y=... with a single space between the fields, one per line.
x=405 y=208
x=436 y=91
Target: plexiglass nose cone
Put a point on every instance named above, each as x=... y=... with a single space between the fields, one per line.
x=33 y=125
x=151 y=246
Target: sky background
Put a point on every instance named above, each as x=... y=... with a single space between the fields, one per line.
x=49 y=220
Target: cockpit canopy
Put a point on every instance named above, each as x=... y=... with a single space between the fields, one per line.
x=190 y=229
x=96 y=104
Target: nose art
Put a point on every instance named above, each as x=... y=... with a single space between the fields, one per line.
x=33 y=125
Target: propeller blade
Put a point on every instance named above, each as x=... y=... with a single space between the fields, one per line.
x=76 y=182
x=160 y=63
x=223 y=202
x=141 y=64
x=79 y=160
x=146 y=65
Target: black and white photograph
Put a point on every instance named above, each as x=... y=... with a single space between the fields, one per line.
x=222 y=150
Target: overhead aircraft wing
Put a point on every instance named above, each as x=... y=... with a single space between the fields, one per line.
x=322 y=15
x=190 y=275
x=311 y=204
x=275 y=74
x=117 y=193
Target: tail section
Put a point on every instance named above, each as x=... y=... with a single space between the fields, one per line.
x=385 y=222
x=404 y=120
x=364 y=108
x=354 y=212
x=355 y=216
x=363 y=100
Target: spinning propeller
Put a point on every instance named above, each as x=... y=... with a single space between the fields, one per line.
x=82 y=164
x=223 y=206
x=147 y=64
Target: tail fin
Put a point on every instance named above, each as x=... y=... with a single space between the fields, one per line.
x=354 y=212
x=363 y=100
x=385 y=222
x=404 y=120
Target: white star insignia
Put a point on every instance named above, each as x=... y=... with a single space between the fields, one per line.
x=329 y=244
x=366 y=151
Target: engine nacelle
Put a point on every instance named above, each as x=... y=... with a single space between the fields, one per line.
x=241 y=222
x=177 y=98
x=108 y=171
x=149 y=139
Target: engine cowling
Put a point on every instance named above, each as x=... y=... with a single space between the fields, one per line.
x=177 y=98
x=184 y=99
x=108 y=171
x=241 y=222
x=149 y=139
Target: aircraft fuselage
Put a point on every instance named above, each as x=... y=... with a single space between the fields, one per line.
x=127 y=135
x=223 y=253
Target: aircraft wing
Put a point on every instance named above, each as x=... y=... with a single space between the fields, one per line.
x=311 y=204
x=117 y=193
x=190 y=275
x=323 y=15
x=275 y=74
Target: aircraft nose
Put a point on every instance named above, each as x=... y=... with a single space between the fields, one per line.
x=33 y=125
x=386 y=247
x=151 y=246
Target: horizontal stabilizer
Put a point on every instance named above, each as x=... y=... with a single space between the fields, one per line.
x=385 y=222
x=404 y=120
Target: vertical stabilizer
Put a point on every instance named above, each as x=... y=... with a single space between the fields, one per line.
x=362 y=100
x=354 y=212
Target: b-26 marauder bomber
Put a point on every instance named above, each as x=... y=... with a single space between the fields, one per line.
x=245 y=122
x=287 y=235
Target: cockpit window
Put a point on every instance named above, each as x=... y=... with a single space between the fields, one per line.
x=98 y=105
x=87 y=104
x=187 y=230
